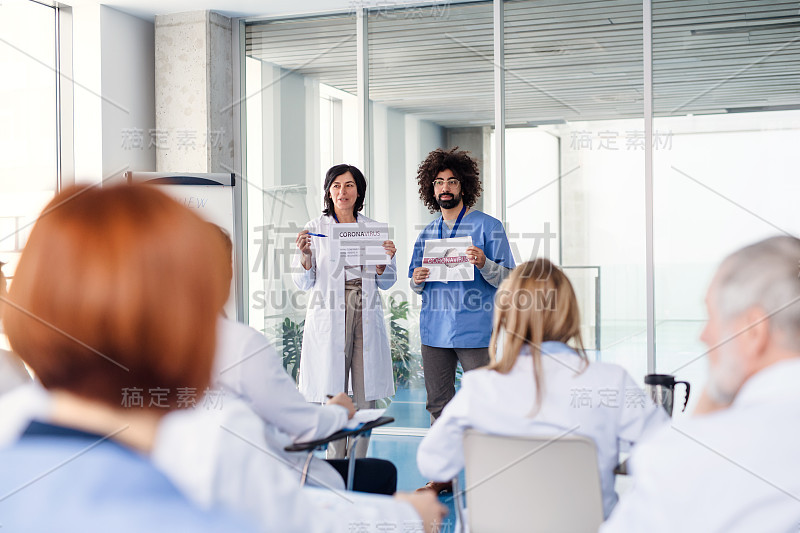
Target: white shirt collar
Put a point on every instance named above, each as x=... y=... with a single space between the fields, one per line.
x=549 y=348
x=19 y=407
x=557 y=353
x=777 y=381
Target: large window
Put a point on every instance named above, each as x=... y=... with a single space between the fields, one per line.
x=430 y=83
x=301 y=118
x=727 y=110
x=574 y=156
x=28 y=114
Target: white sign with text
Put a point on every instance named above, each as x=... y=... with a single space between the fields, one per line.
x=360 y=244
x=446 y=259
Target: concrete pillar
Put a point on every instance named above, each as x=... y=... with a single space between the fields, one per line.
x=194 y=92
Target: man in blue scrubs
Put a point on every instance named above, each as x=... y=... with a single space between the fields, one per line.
x=456 y=318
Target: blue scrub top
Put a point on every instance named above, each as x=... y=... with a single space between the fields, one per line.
x=59 y=479
x=458 y=314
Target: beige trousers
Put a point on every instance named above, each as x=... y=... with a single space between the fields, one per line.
x=353 y=365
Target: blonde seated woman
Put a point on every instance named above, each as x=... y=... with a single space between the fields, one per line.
x=538 y=381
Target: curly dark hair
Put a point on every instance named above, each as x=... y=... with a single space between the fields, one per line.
x=463 y=167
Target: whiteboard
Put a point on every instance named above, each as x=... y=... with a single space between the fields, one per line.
x=212 y=197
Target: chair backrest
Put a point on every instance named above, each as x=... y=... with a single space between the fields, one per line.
x=548 y=483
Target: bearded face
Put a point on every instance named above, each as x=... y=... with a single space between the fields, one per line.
x=448 y=200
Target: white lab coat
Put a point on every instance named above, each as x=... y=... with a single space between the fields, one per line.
x=144 y=492
x=602 y=403
x=18 y=407
x=732 y=471
x=219 y=457
x=12 y=372
x=322 y=357
x=246 y=365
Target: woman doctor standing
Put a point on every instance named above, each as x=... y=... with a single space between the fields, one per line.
x=345 y=335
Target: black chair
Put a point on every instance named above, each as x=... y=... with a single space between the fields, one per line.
x=364 y=430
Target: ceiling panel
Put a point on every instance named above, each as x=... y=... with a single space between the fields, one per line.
x=573 y=60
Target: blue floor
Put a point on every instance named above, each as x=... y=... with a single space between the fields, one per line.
x=408 y=409
x=402 y=451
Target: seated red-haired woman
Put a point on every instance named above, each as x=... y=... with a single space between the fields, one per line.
x=110 y=302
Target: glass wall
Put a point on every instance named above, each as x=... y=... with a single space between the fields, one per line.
x=575 y=158
x=301 y=118
x=727 y=115
x=28 y=114
x=727 y=126
x=431 y=86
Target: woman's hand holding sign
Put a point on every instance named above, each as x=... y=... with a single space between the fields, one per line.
x=390 y=251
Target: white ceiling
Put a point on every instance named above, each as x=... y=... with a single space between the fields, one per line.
x=147 y=9
x=566 y=60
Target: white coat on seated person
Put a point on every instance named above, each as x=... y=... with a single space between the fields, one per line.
x=220 y=457
x=322 y=359
x=12 y=372
x=732 y=471
x=551 y=391
x=602 y=403
x=732 y=466
x=19 y=406
x=247 y=366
